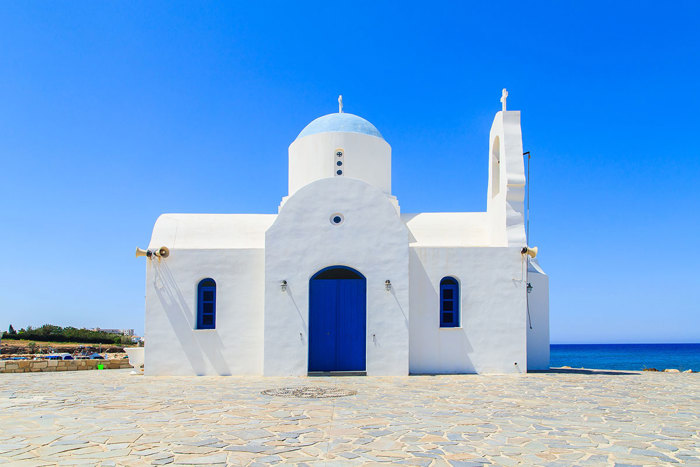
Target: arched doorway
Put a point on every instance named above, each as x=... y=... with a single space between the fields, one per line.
x=337 y=320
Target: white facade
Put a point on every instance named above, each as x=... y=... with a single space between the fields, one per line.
x=341 y=280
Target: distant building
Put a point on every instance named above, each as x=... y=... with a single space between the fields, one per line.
x=122 y=332
x=340 y=280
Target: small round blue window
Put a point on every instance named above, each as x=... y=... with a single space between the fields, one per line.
x=339 y=172
x=337 y=219
x=339 y=163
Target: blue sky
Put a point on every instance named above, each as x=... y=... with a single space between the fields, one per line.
x=115 y=112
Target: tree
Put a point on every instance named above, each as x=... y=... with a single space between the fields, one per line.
x=53 y=333
x=11 y=330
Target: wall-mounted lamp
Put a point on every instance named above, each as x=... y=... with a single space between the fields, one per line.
x=387 y=285
x=529 y=287
x=283 y=286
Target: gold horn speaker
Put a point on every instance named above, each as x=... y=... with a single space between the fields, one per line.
x=140 y=252
x=531 y=252
x=163 y=252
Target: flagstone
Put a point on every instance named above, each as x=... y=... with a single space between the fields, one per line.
x=211 y=459
x=81 y=451
x=124 y=438
x=163 y=461
x=193 y=449
x=17 y=452
x=145 y=452
x=473 y=420
x=77 y=461
x=47 y=451
x=111 y=454
x=413 y=461
x=433 y=439
x=67 y=441
x=21 y=456
x=31 y=463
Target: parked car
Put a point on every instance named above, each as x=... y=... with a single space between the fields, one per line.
x=59 y=356
x=92 y=356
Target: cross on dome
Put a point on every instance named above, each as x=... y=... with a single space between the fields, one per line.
x=340 y=104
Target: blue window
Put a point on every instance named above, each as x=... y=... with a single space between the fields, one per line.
x=449 y=303
x=206 y=304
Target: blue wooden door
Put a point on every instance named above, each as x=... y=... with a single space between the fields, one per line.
x=337 y=324
x=322 y=325
x=351 y=325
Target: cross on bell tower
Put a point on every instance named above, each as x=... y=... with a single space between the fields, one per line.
x=504 y=96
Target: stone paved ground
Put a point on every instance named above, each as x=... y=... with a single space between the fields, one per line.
x=114 y=418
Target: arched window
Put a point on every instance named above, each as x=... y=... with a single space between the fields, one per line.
x=206 y=304
x=449 y=303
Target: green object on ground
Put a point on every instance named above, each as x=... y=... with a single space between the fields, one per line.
x=100 y=366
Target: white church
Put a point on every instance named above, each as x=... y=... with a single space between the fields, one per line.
x=340 y=281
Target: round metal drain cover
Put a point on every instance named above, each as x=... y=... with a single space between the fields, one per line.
x=309 y=392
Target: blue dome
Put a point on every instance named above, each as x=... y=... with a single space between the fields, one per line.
x=340 y=122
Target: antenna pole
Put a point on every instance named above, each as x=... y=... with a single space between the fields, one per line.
x=527 y=212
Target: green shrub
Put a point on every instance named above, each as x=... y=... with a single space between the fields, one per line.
x=52 y=333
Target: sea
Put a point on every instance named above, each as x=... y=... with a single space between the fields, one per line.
x=626 y=356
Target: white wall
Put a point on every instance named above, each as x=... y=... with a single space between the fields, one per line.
x=491 y=337
x=210 y=231
x=372 y=239
x=366 y=158
x=538 y=336
x=448 y=228
x=506 y=209
x=173 y=345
